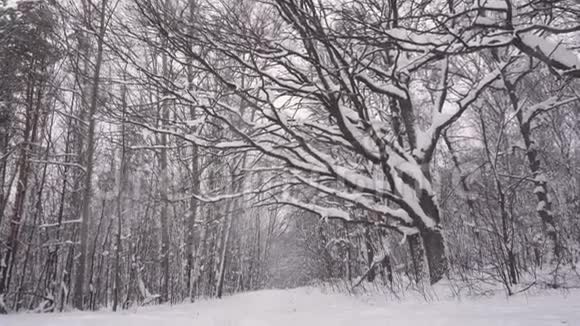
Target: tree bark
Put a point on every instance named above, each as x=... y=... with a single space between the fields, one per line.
x=370 y=252
x=78 y=296
x=121 y=187
x=224 y=250
x=30 y=130
x=544 y=204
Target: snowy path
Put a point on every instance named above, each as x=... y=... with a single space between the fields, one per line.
x=305 y=307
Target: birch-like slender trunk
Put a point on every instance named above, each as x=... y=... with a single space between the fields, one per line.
x=78 y=295
x=120 y=207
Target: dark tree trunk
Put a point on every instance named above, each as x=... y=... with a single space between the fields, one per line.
x=370 y=251
x=434 y=244
x=417 y=255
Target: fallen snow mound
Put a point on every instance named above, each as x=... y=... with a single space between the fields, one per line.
x=307 y=306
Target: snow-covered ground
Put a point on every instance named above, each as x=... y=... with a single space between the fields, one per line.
x=306 y=306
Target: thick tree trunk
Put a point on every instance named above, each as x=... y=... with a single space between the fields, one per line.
x=428 y=256
x=430 y=241
x=434 y=245
x=417 y=255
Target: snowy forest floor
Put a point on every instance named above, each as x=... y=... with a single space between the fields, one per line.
x=311 y=306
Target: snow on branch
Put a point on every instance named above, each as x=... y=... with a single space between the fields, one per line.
x=427 y=140
x=194 y=139
x=332 y=213
x=474 y=92
x=359 y=200
x=219 y=198
x=382 y=88
x=323 y=212
x=553 y=53
x=545 y=106
x=69 y=164
x=48 y=225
